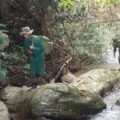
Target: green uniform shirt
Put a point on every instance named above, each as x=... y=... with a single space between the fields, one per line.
x=37 y=59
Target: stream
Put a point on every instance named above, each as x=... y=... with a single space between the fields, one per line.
x=112 y=112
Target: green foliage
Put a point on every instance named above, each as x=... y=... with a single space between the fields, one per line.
x=27 y=69
x=86 y=36
x=3 y=28
x=75 y=16
x=89 y=41
x=2 y=72
x=2 y=75
x=66 y=3
x=110 y=1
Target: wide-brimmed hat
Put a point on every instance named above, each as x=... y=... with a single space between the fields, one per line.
x=26 y=30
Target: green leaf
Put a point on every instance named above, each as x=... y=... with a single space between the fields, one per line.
x=66 y=3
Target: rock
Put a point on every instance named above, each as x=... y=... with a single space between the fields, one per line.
x=61 y=101
x=4 y=115
x=118 y=102
x=68 y=78
x=15 y=97
x=97 y=81
x=52 y=101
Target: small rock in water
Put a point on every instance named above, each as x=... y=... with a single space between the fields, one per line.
x=118 y=102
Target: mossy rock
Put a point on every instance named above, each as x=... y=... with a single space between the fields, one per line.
x=97 y=80
x=53 y=101
x=4 y=115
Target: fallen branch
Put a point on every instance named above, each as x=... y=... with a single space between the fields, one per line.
x=61 y=69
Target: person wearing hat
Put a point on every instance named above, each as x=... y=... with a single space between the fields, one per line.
x=116 y=45
x=34 y=48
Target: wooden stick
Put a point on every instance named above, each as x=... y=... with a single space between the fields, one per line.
x=62 y=67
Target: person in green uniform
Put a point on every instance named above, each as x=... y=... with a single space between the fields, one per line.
x=3 y=80
x=116 y=45
x=34 y=48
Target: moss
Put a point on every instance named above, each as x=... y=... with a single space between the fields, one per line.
x=97 y=103
x=108 y=80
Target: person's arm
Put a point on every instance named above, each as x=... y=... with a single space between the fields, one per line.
x=27 y=49
x=38 y=48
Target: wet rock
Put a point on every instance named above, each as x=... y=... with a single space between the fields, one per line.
x=97 y=80
x=4 y=115
x=59 y=100
x=52 y=101
x=118 y=102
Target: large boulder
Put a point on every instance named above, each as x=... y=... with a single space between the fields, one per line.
x=4 y=115
x=97 y=80
x=52 y=101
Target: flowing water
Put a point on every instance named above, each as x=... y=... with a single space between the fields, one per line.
x=112 y=112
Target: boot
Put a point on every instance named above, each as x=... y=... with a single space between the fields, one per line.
x=29 y=85
x=34 y=84
x=41 y=81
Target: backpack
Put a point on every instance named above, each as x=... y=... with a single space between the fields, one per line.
x=48 y=45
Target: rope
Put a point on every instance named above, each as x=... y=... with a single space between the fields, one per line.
x=96 y=22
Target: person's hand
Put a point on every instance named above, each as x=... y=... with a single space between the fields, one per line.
x=31 y=47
